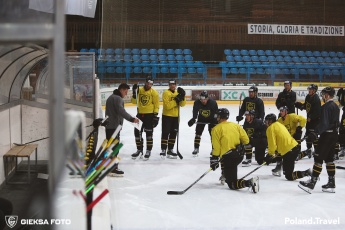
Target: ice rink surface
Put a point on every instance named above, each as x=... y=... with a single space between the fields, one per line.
x=139 y=200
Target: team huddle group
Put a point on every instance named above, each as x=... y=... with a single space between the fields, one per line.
x=274 y=139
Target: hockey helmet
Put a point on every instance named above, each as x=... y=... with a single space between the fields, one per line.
x=172 y=81
x=149 y=79
x=314 y=87
x=250 y=112
x=329 y=90
x=203 y=95
x=288 y=82
x=223 y=113
x=253 y=89
x=284 y=108
x=271 y=117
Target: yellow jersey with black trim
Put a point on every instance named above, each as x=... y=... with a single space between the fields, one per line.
x=147 y=101
x=291 y=121
x=226 y=136
x=170 y=106
x=279 y=139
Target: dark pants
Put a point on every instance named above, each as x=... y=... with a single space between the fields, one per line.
x=310 y=127
x=325 y=147
x=199 y=129
x=260 y=145
x=147 y=120
x=289 y=163
x=169 y=132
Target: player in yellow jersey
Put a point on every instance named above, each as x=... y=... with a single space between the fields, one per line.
x=172 y=100
x=147 y=100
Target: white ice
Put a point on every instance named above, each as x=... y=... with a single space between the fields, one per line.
x=139 y=200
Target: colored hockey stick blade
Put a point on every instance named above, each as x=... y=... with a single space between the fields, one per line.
x=175 y=192
x=340 y=167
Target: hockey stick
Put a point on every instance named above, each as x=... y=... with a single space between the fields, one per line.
x=30 y=141
x=178 y=134
x=254 y=170
x=182 y=192
x=340 y=167
x=239 y=108
x=202 y=123
x=95 y=129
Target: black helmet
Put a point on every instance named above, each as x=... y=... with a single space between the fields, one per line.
x=271 y=117
x=284 y=108
x=253 y=89
x=329 y=90
x=172 y=81
x=203 y=94
x=250 y=112
x=288 y=82
x=223 y=113
x=313 y=86
x=149 y=79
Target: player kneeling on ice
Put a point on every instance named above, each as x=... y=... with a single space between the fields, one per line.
x=280 y=140
x=227 y=140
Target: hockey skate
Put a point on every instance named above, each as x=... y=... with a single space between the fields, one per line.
x=195 y=152
x=116 y=172
x=277 y=171
x=138 y=153
x=147 y=155
x=246 y=163
x=308 y=185
x=171 y=154
x=254 y=184
x=222 y=179
x=163 y=153
x=330 y=186
x=341 y=153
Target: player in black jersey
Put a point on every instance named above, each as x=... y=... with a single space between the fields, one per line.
x=256 y=131
x=341 y=136
x=204 y=112
x=312 y=105
x=287 y=97
x=252 y=103
x=327 y=129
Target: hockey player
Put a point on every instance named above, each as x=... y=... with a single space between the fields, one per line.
x=280 y=142
x=226 y=138
x=114 y=109
x=252 y=103
x=294 y=124
x=341 y=137
x=287 y=97
x=327 y=129
x=172 y=100
x=147 y=100
x=312 y=105
x=256 y=131
x=204 y=111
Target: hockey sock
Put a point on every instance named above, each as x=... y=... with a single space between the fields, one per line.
x=330 y=166
x=317 y=168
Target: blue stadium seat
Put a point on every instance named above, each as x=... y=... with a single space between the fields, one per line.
x=296 y=59
x=311 y=71
x=200 y=70
x=327 y=59
x=179 y=57
x=271 y=58
x=244 y=52
x=227 y=52
x=84 y=50
x=284 y=53
x=252 y=52
x=340 y=54
x=191 y=70
x=302 y=71
x=332 y=54
x=319 y=59
x=111 y=69
x=279 y=58
x=260 y=71
x=136 y=57
x=109 y=57
x=101 y=70
x=137 y=69
x=335 y=72
x=118 y=57
x=128 y=69
x=342 y=60
x=278 y=71
x=127 y=51
x=161 y=51
x=324 y=54
x=316 y=54
x=309 y=53
x=153 y=57
x=327 y=72
x=135 y=51
x=101 y=51
x=312 y=59
x=187 y=52
x=255 y=59
x=119 y=69
x=147 y=69
x=263 y=58
x=238 y=58
x=170 y=57
x=304 y=59
x=170 y=51
x=152 y=51
x=199 y=64
x=109 y=51
x=293 y=53
x=118 y=51
x=100 y=57
x=269 y=52
x=156 y=69
x=163 y=57
x=252 y=71
x=182 y=70
x=261 y=53
x=301 y=53
x=110 y=63
x=247 y=58
x=335 y=59
x=145 y=57
x=286 y=71
x=230 y=58
x=144 y=51
x=188 y=57
x=178 y=52
x=294 y=71
x=127 y=57
x=231 y=64
x=92 y=50
x=234 y=71
x=243 y=71
x=276 y=52
x=164 y=70
x=235 y=52
x=287 y=59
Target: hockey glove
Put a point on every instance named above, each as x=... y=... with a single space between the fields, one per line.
x=181 y=92
x=298 y=133
x=155 y=120
x=134 y=89
x=312 y=136
x=239 y=118
x=179 y=98
x=268 y=159
x=214 y=162
x=191 y=122
x=299 y=105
